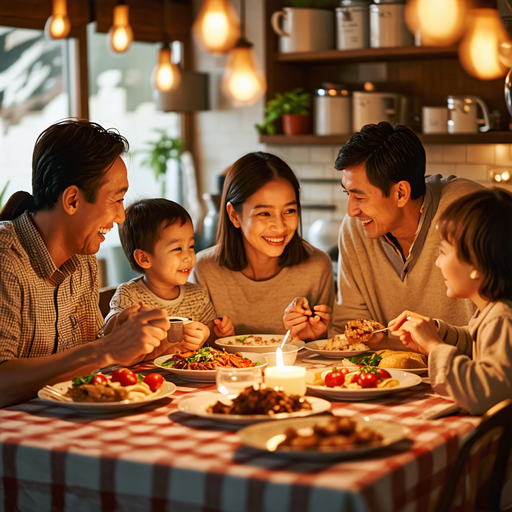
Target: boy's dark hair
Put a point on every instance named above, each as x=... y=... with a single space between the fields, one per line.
x=70 y=152
x=245 y=177
x=391 y=154
x=143 y=223
x=479 y=226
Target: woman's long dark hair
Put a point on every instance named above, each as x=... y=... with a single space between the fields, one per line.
x=70 y=152
x=245 y=177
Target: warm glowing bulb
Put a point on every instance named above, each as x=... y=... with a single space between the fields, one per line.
x=243 y=81
x=505 y=176
x=217 y=27
x=479 y=49
x=497 y=177
x=439 y=22
x=166 y=76
x=58 y=25
x=120 y=35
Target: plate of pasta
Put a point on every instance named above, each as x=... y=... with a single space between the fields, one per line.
x=259 y=343
x=351 y=390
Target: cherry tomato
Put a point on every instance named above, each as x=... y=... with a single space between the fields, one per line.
x=125 y=377
x=336 y=377
x=99 y=380
x=368 y=380
x=383 y=374
x=154 y=381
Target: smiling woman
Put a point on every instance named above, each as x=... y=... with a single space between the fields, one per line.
x=261 y=263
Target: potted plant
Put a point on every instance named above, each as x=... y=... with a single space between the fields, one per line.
x=159 y=153
x=2 y=193
x=293 y=106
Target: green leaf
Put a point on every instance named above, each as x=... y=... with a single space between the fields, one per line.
x=140 y=378
x=78 y=381
x=169 y=363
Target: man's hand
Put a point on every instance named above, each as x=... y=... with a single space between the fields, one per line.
x=417 y=332
x=223 y=327
x=306 y=324
x=134 y=335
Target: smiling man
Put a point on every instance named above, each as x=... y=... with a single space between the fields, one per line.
x=388 y=241
x=49 y=315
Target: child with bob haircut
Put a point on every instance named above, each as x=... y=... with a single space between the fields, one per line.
x=475 y=257
x=158 y=239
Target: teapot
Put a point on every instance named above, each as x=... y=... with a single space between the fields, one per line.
x=462 y=114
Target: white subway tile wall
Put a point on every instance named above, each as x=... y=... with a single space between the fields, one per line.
x=315 y=164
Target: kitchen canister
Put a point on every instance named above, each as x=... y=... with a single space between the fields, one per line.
x=333 y=108
x=434 y=119
x=352 y=25
x=387 y=24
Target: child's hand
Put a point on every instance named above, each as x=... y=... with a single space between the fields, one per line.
x=307 y=326
x=417 y=332
x=223 y=327
x=194 y=335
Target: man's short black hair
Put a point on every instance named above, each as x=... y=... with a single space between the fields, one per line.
x=390 y=154
x=144 y=221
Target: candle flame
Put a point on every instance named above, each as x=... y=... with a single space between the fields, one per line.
x=279 y=357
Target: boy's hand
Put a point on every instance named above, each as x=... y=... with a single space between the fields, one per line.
x=223 y=327
x=194 y=335
x=417 y=332
x=304 y=325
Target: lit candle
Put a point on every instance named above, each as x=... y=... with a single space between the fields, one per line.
x=291 y=378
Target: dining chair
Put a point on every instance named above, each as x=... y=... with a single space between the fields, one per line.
x=105 y=295
x=499 y=419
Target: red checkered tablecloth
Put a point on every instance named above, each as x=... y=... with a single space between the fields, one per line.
x=156 y=458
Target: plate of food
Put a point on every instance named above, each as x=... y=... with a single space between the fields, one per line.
x=336 y=347
x=253 y=405
x=411 y=362
x=201 y=365
x=259 y=343
x=99 y=394
x=360 y=384
x=323 y=438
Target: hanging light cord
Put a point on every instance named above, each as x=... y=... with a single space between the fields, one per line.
x=242 y=18
x=166 y=24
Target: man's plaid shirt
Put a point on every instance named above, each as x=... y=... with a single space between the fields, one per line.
x=43 y=309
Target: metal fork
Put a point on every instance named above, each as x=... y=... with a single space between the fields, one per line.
x=386 y=328
x=57 y=394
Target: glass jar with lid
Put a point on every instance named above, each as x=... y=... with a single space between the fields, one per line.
x=332 y=110
x=352 y=25
x=387 y=24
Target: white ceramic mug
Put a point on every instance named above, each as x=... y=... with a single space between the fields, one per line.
x=304 y=30
x=434 y=119
x=175 y=332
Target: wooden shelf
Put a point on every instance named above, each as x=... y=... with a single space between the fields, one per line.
x=441 y=138
x=369 y=55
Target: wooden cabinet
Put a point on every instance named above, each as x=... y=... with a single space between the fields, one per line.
x=425 y=75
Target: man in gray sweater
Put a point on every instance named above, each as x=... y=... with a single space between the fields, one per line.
x=388 y=241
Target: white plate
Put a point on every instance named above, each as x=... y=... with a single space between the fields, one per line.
x=313 y=346
x=198 y=405
x=265 y=437
x=204 y=375
x=417 y=371
x=168 y=388
x=407 y=380
x=224 y=343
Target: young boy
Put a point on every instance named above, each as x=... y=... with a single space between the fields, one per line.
x=158 y=239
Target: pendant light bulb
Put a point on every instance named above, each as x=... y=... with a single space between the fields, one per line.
x=243 y=81
x=166 y=76
x=479 y=49
x=217 y=27
x=120 y=34
x=439 y=22
x=58 y=24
